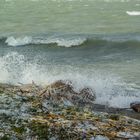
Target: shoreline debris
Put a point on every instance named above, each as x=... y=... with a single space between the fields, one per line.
x=57 y=112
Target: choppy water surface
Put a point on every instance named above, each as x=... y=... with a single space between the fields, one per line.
x=94 y=43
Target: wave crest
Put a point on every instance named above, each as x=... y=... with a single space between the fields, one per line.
x=66 y=42
x=133 y=13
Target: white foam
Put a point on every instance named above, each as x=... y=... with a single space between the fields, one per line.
x=11 y=41
x=60 y=41
x=109 y=88
x=133 y=13
x=117 y=1
x=11 y=66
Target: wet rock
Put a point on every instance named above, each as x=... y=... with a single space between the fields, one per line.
x=60 y=88
x=1 y=134
x=87 y=94
x=29 y=88
x=61 y=84
x=62 y=92
x=114 y=117
x=99 y=137
x=128 y=135
x=7 y=88
x=135 y=106
x=85 y=98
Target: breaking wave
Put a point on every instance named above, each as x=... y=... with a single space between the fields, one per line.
x=66 y=42
x=109 y=88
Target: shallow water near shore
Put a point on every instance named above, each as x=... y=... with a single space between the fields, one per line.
x=94 y=44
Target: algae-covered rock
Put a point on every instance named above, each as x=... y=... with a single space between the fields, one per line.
x=114 y=117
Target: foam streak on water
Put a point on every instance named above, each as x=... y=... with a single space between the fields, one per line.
x=133 y=13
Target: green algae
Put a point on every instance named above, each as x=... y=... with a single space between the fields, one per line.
x=40 y=130
x=19 y=130
x=5 y=138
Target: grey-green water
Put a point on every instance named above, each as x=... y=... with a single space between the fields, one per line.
x=94 y=43
x=71 y=16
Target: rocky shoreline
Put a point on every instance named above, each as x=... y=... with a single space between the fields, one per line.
x=123 y=111
x=57 y=112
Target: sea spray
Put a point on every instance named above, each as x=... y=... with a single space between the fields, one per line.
x=109 y=88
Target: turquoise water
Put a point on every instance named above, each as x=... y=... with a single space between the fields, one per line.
x=93 y=43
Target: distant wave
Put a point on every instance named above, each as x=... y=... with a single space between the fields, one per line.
x=69 y=40
x=66 y=42
x=133 y=13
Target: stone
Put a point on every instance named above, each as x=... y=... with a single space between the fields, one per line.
x=28 y=88
x=62 y=92
x=87 y=94
x=135 y=106
x=60 y=87
x=114 y=117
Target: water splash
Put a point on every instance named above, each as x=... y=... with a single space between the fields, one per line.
x=109 y=88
